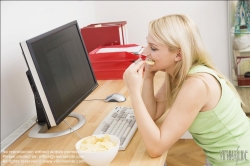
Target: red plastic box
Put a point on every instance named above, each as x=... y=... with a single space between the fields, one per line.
x=111 y=66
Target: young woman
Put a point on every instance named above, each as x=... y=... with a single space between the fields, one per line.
x=199 y=98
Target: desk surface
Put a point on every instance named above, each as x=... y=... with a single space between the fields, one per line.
x=61 y=150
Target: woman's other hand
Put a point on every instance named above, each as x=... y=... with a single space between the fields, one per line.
x=133 y=77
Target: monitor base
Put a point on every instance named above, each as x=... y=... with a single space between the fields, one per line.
x=38 y=131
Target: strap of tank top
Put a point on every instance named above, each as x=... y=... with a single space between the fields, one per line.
x=203 y=69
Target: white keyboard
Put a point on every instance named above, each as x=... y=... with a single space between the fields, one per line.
x=120 y=122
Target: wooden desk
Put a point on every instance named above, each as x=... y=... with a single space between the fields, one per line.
x=61 y=150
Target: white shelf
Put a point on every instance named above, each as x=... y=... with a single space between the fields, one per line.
x=245 y=50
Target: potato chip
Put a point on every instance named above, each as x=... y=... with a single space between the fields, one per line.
x=97 y=144
x=100 y=139
x=91 y=140
x=150 y=62
x=107 y=137
x=107 y=144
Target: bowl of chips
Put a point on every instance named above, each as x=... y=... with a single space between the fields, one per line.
x=98 y=150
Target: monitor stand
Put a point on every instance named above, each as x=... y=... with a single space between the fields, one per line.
x=38 y=131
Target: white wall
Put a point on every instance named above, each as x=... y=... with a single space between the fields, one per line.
x=210 y=16
x=22 y=20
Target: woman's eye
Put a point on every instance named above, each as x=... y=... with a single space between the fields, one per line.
x=153 y=49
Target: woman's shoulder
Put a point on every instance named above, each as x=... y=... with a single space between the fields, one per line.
x=202 y=73
x=196 y=81
x=193 y=93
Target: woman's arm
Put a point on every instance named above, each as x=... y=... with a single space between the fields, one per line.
x=155 y=103
x=190 y=100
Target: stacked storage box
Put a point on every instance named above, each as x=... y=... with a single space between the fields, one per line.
x=111 y=65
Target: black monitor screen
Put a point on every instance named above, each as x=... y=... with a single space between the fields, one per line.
x=64 y=69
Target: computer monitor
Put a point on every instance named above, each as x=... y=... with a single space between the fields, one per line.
x=60 y=75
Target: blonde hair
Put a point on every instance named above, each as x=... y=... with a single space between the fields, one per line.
x=179 y=32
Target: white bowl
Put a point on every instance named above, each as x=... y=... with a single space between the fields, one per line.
x=99 y=158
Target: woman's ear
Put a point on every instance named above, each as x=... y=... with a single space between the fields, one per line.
x=178 y=56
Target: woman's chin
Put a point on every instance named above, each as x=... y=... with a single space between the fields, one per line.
x=153 y=68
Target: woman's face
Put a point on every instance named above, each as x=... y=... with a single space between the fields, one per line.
x=164 y=59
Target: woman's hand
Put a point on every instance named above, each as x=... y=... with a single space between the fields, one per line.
x=133 y=77
x=148 y=73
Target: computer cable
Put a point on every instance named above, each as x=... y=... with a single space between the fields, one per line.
x=73 y=129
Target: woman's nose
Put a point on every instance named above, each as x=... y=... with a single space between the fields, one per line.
x=145 y=51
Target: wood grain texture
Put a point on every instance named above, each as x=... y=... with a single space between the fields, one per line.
x=185 y=153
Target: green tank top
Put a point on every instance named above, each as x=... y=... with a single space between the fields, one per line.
x=223 y=132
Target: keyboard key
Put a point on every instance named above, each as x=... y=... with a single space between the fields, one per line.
x=124 y=127
x=132 y=122
x=121 y=125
